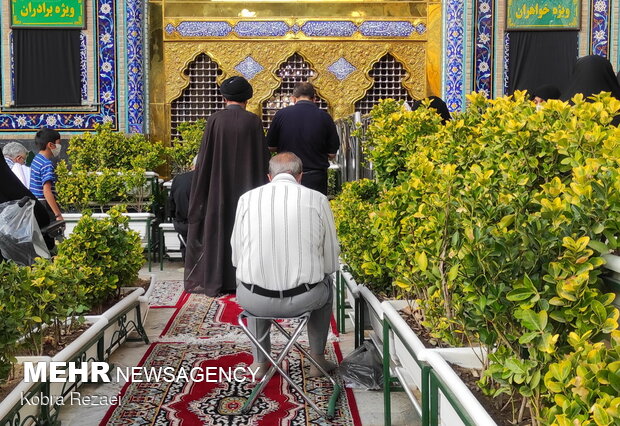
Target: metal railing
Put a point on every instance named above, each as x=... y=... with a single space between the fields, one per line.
x=350 y=158
x=98 y=348
x=444 y=398
x=442 y=391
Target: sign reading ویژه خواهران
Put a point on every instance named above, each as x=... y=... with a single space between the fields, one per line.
x=543 y=14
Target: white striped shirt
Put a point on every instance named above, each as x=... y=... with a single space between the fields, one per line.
x=284 y=236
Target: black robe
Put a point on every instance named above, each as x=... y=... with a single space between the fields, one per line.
x=233 y=159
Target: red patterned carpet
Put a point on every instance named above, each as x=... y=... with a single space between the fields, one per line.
x=201 y=334
x=167 y=294
x=204 y=317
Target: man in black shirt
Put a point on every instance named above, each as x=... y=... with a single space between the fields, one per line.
x=179 y=202
x=309 y=133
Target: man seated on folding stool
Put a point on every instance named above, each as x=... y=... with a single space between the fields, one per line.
x=284 y=247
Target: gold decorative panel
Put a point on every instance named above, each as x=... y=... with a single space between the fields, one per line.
x=340 y=41
x=340 y=94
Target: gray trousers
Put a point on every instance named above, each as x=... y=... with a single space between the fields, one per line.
x=318 y=301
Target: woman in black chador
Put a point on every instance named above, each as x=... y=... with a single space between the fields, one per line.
x=438 y=104
x=593 y=74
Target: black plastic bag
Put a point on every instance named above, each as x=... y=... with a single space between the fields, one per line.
x=362 y=368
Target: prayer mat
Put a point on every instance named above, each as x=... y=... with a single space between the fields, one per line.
x=167 y=294
x=203 y=335
x=203 y=316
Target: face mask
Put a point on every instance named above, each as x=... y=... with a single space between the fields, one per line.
x=56 y=150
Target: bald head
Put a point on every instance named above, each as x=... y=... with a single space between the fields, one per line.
x=285 y=162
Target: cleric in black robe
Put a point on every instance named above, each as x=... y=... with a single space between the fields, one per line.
x=233 y=159
x=593 y=74
x=11 y=189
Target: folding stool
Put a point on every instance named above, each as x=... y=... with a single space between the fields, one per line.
x=275 y=363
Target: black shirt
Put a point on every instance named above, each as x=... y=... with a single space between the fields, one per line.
x=179 y=196
x=306 y=131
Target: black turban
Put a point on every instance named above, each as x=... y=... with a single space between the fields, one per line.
x=236 y=89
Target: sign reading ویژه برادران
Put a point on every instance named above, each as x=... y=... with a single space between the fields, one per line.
x=47 y=13
x=542 y=14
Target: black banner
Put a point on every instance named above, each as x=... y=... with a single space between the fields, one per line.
x=47 y=67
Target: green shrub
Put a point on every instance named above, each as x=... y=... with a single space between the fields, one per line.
x=107 y=167
x=391 y=137
x=183 y=151
x=108 y=149
x=584 y=387
x=58 y=293
x=80 y=189
x=353 y=212
x=110 y=252
x=15 y=309
x=334 y=182
x=47 y=298
x=493 y=223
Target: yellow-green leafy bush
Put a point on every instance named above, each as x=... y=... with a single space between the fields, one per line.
x=494 y=223
x=183 y=150
x=353 y=214
x=15 y=305
x=50 y=297
x=58 y=293
x=585 y=385
x=106 y=167
x=111 y=252
x=47 y=297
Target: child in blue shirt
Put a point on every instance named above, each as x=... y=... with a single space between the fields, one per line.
x=42 y=175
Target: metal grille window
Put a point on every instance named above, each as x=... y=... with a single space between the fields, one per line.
x=201 y=98
x=294 y=70
x=388 y=75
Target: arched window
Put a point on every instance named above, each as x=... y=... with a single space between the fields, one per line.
x=293 y=70
x=201 y=98
x=388 y=75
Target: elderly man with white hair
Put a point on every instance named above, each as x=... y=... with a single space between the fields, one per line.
x=15 y=155
x=284 y=247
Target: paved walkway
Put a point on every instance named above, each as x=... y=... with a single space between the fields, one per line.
x=370 y=403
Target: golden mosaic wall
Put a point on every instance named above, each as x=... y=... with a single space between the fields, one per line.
x=269 y=33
